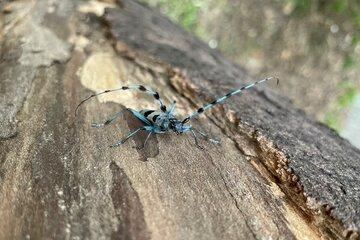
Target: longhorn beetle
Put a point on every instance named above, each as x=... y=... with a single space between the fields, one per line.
x=163 y=120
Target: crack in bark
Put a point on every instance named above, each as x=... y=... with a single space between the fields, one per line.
x=287 y=191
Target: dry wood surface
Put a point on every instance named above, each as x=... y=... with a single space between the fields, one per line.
x=277 y=174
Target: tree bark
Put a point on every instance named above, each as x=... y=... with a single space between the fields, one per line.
x=276 y=174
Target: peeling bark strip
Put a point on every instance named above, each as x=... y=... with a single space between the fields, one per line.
x=291 y=179
x=313 y=163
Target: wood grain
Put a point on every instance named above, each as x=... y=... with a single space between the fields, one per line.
x=276 y=174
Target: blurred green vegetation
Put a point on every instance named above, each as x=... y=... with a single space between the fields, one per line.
x=348 y=62
x=344 y=101
x=332 y=120
x=301 y=6
x=187 y=14
x=342 y=10
x=184 y=12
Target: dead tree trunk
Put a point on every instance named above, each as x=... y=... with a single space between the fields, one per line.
x=276 y=174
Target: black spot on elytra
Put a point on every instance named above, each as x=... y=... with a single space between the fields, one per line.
x=147 y=113
x=156 y=95
x=142 y=88
x=125 y=88
x=200 y=110
x=155 y=117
